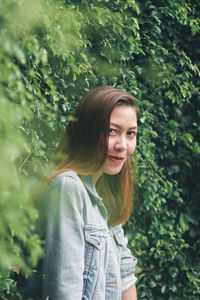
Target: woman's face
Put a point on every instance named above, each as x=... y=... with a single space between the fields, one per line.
x=121 y=140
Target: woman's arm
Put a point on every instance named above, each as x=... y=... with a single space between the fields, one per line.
x=127 y=265
x=130 y=293
x=64 y=249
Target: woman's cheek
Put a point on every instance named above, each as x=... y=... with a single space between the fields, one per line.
x=132 y=147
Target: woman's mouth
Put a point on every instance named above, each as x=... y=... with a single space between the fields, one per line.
x=116 y=159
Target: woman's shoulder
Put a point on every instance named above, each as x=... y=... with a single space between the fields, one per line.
x=65 y=178
x=64 y=192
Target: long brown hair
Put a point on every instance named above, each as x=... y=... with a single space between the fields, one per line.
x=83 y=149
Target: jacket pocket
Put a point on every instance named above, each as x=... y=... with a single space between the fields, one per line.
x=95 y=237
x=127 y=260
x=95 y=240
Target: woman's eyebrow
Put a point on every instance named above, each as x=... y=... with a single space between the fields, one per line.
x=118 y=126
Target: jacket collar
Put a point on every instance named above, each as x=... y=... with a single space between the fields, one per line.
x=90 y=187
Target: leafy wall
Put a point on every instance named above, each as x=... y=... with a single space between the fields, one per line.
x=51 y=53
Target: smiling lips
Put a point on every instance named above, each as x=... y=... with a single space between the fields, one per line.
x=116 y=159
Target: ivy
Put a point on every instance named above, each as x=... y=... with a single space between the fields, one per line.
x=53 y=52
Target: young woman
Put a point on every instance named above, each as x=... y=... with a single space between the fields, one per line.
x=89 y=196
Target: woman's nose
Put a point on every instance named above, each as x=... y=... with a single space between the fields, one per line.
x=120 y=144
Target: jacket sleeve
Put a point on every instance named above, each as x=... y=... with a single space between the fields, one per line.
x=127 y=261
x=64 y=247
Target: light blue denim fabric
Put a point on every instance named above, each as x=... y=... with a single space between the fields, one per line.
x=84 y=257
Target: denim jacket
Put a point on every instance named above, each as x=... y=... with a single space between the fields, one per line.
x=84 y=257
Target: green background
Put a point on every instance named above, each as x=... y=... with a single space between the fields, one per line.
x=52 y=53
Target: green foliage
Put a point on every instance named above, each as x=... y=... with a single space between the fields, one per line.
x=51 y=53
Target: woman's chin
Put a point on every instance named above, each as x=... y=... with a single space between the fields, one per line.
x=113 y=172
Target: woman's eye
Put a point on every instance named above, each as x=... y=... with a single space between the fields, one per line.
x=111 y=131
x=132 y=134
